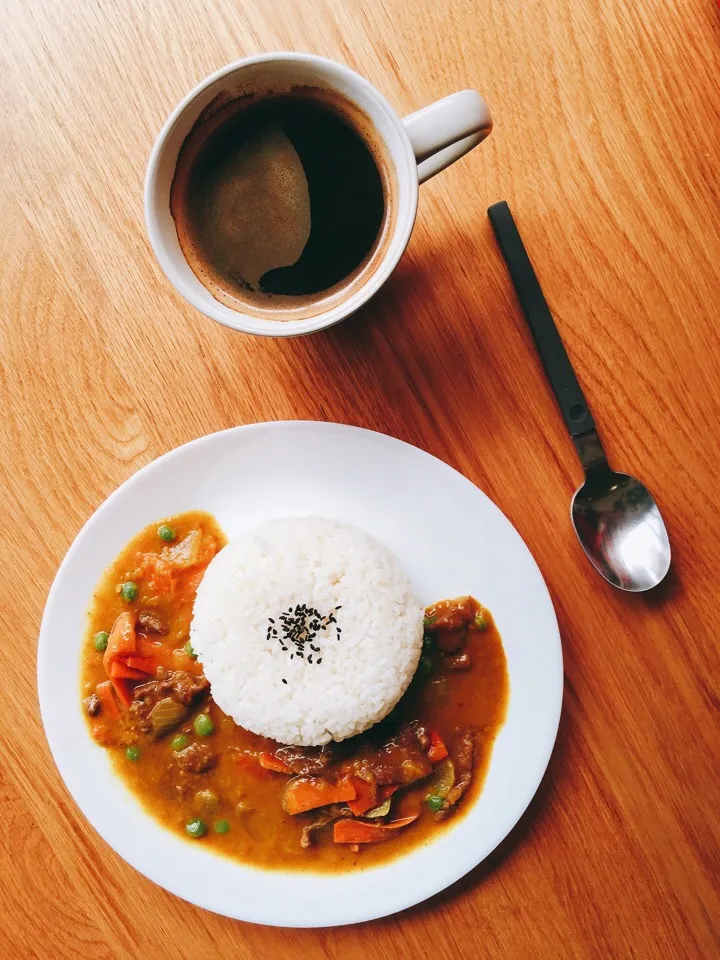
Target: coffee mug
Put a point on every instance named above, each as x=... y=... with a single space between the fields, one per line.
x=418 y=147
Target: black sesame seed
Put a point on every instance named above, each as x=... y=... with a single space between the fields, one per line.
x=319 y=659
x=270 y=619
x=284 y=680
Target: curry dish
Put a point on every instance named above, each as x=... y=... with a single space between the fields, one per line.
x=359 y=802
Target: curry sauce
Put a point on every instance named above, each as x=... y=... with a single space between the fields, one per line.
x=207 y=779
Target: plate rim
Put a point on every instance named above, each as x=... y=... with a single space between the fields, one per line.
x=398 y=903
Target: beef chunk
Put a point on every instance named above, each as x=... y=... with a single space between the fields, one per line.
x=179 y=685
x=197 y=758
x=452 y=641
x=422 y=734
x=150 y=622
x=452 y=614
x=401 y=759
x=461 y=661
x=187 y=688
x=92 y=705
x=330 y=815
x=307 y=761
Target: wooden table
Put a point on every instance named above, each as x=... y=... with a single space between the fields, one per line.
x=606 y=148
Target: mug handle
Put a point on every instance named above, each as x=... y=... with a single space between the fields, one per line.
x=446 y=130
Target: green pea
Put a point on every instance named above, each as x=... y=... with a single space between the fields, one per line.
x=196 y=828
x=166 y=533
x=188 y=648
x=222 y=826
x=129 y=591
x=178 y=742
x=426 y=664
x=480 y=622
x=100 y=641
x=132 y=753
x=435 y=803
x=203 y=725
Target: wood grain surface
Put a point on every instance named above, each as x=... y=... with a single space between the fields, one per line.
x=606 y=147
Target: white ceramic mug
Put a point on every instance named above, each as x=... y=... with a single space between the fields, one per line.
x=418 y=147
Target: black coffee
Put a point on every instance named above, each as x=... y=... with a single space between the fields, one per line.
x=279 y=200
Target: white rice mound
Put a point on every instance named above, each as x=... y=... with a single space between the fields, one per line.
x=366 y=659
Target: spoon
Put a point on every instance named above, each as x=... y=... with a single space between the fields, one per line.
x=614 y=515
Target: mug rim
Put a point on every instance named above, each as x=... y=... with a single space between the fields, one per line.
x=404 y=168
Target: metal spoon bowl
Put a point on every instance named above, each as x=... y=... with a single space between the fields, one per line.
x=621 y=531
x=616 y=520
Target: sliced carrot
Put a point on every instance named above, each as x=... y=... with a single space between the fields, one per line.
x=359 y=831
x=123 y=690
x=122 y=640
x=268 y=761
x=146 y=665
x=152 y=650
x=307 y=793
x=107 y=700
x=437 y=750
x=367 y=796
x=119 y=670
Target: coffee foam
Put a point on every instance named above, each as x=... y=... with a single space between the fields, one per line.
x=263 y=206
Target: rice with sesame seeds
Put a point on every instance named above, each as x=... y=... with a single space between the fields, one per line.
x=307 y=629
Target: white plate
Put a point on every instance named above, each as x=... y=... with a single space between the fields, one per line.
x=451 y=540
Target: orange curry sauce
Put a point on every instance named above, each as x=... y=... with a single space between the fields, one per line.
x=450 y=697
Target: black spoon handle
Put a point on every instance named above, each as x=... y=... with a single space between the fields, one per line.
x=547 y=339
